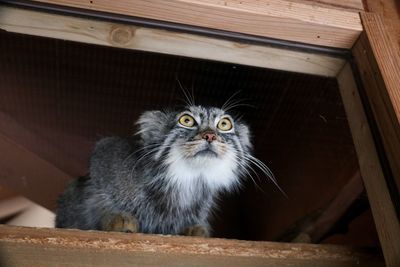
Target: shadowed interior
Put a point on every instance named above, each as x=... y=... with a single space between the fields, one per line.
x=69 y=95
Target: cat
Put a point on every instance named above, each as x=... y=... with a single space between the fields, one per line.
x=164 y=179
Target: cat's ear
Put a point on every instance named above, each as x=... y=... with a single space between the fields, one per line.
x=243 y=133
x=152 y=126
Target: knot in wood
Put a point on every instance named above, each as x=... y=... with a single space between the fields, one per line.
x=121 y=35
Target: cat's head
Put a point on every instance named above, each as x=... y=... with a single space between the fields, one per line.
x=197 y=143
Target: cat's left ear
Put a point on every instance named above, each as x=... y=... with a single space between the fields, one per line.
x=152 y=126
x=243 y=133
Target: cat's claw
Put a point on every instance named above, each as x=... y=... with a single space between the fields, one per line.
x=121 y=223
x=197 y=230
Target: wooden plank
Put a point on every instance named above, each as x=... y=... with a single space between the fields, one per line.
x=27 y=174
x=378 y=62
x=281 y=19
x=130 y=37
x=356 y=5
x=390 y=11
x=55 y=247
x=387 y=224
x=71 y=163
x=315 y=226
x=13 y=206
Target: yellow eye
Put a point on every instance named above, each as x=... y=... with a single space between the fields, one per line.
x=224 y=124
x=187 y=120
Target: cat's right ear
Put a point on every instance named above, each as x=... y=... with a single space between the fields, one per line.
x=152 y=126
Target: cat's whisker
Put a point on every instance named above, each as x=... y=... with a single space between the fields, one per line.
x=227 y=103
x=244 y=167
x=137 y=151
x=189 y=99
x=261 y=165
x=238 y=104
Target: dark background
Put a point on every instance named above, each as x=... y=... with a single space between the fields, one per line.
x=72 y=94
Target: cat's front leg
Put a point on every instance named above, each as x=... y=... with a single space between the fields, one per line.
x=119 y=222
x=196 y=230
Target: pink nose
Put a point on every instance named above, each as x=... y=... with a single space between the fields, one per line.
x=209 y=136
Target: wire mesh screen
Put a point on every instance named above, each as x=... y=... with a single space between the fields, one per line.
x=71 y=94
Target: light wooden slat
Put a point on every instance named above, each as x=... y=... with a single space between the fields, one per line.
x=130 y=37
x=281 y=19
x=12 y=206
x=383 y=210
x=389 y=10
x=55 y=247
x=356 y=5
x=378 y=61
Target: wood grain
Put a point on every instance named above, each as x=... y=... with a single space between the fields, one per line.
x=130 y=37
x=379 y=68
x=390 y=11
x=315 y=226
x=281 y=19
x=382 y=207
x=356 y=5
x=55 y=247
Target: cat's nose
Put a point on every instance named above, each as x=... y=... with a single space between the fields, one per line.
x=209 y=136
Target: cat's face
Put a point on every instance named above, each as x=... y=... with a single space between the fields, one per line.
x=197 y=143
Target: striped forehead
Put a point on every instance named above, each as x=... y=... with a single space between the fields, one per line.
x=206 y=114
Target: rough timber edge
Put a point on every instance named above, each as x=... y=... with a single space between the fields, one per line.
x=21 y=246
x=168 y=42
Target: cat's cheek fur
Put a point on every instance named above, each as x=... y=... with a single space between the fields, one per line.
x=218 y=173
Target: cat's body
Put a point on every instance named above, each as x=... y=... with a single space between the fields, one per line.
x=165 y=179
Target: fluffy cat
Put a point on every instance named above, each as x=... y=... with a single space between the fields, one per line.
x=164 y=179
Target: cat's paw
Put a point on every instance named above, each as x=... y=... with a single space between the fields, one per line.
x=121 y=223
x=197 y=230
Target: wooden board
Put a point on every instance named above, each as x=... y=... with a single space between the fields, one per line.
x=139 y=38
x=379 y=68
x=281 y=19
x=386 y=221
x=55 y=247
x=356 y=5
x=390 y=11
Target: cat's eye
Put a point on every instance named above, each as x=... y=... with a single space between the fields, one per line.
x=187 y=120
x=225 y=124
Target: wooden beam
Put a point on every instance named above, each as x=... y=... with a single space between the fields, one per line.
x=55 y=247
x=315 y=226
x=390 y=11
x=139 y=38
x=282 y=19
x=74 y=164
x=28 y=174
x=387 y=224
x=378 y=62
x=356 y=5
x=13 y=206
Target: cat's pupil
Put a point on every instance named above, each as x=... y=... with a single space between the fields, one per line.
x=187 y=120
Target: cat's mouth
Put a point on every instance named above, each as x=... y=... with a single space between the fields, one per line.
x=207 y=152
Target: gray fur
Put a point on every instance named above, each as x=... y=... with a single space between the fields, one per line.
x=141 y=175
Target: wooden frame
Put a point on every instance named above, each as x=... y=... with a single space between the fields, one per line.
x=161 y=41
x=379 y=72
x=305 y=22
x=55 y=247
